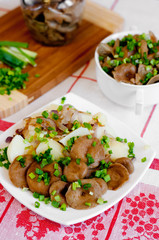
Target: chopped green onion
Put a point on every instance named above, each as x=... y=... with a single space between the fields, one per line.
x=87 y=186
x=78 y=161
x=56 y=173
x=60 y=107
x=45 y=114
x=53 y=192
x=88 y=204
x=38 y=171
x=36 y=195
x=55 y=204
x=89 y=136
x=63 y=207
x=32 y=176
x=107 y=178
x=94 y=143
x=56 y=166
x=63 y=178
x=110 y=151
x=63 y=99
x=37 y=75
x=55 y=116
x=39 y=120
x=90 y=160
x=87 y=125
x=57 y=198
x=37 y=204
x=144 y=159
x=101 y=58
x=46 y=200
x=41 y=197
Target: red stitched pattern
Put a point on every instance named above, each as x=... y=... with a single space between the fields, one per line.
x=35 y=226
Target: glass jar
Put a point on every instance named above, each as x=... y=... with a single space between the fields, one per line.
x=53 y=22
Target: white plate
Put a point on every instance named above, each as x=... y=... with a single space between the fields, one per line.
x=72 y=216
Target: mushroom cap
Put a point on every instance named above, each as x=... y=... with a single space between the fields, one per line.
x=118 y=174
x=154 y=79
x=77 y=198
x=124 y=72
x=104 y=49
x=73 y=171
x=40 y=187
x=80 y=148
x=97 y=152
x=60 y=187
x=126 y=162
x=144 y=48
x=102 y=184
x=17 y=173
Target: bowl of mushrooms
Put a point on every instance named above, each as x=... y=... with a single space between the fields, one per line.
x=127 y=68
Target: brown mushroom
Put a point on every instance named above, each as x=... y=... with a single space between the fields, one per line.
x=75 y=171
x=104 y=49
x=118 y=175
x=42 y=187
x=152 y=37
x=80 y=148
x=154 y=79
x=82 y=198
x=102 y=184
x=17 y=172
x=142 y=71
x=97 y=152
x=126 y=162
x=58 y=188
x=144 y=48
x=124 y=72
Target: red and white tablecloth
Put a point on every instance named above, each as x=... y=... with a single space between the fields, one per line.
x=137 y=215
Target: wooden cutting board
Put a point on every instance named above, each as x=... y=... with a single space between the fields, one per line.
x=54 y=64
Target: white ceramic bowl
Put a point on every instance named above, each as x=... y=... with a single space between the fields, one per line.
x=125 y=94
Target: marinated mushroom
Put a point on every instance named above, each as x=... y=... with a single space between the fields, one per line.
x=75 y=171
x=40 y=180
x=97 y=152
x=154 y=79
x=102 y=184
x=80 y=148
x=126 y=162
x=58 y=188
x=118 y=175
x=18 y=169
x=135 y=58
x=124 y=72
x=104 y=49
x=84 y=198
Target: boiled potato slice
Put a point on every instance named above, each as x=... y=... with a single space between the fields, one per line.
x=119 y=149
x=78 y=132
x=17 y=147
x=57 y=148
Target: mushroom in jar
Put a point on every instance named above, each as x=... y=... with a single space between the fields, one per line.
x=18 y=169
x=124 y=72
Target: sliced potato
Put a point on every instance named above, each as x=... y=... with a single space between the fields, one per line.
x=119 y=149
x=101 y=118
x=17 y=147
x=57 y=148
x=78 y=132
